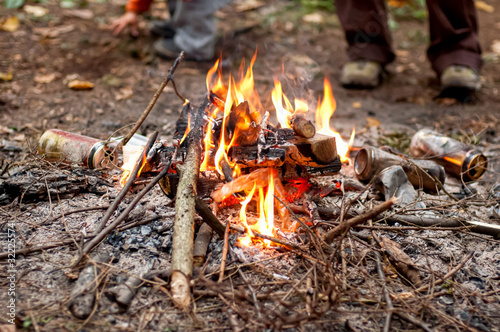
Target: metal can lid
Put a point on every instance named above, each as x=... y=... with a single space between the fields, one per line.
x=475 y=165
x=99 y=156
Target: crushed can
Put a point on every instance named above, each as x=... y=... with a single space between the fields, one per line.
x=458 y=159
x=59 y=145
x=370 y=161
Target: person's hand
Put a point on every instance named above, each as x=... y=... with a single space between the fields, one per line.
x=128 y=19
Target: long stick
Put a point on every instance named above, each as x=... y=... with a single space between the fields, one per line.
x=338 y=230
x=153 y=100
x=185 y=210
x=416 y=220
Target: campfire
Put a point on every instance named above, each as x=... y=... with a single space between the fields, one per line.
x=249 y=156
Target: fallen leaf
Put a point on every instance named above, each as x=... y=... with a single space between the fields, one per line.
x=481 y=5
x=495 y=46
x=6 y=130
x=125 y=93
x=10 y=24
x=244 y=6
x=402 y=261
x=356 y=104
x=84 y=14
x=80 y=85
x=20 y=137
x=47 y=78
x=6 y=76
x=36 y=11
x=372 y=122
x=53 y=32
x=315 y=18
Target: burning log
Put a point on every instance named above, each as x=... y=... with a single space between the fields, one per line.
x=182 y=246
x=302 y=126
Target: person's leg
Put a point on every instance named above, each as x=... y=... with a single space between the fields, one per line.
x=366 y=30
x=453 y=33
x=195 y=26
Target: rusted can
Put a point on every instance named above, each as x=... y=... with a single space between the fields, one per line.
x=457 y=158
x=370 y=161
x=59 y=145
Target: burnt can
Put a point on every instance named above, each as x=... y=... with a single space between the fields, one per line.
x=458 y=159
x=63 y=146
x=370 y=161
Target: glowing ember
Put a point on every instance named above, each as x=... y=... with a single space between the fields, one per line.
x=324 y=112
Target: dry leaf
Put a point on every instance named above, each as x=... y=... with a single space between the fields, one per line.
x=6 y=76
x=372 y=122
x=481 y=5
x=356 y=104
x=20 y=137
x=402 y=261
x=84 y=14
x=36 y=11
x=495 y=46
x=125 y=93
x=315 y=18
x=47 y=78
x=53 y=32
x=6 y=130
x=244 y=6
x=11 y=23
x=80 y=85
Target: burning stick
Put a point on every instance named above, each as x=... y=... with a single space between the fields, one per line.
x=261 y=141
x=154 y=99
x=182 y=246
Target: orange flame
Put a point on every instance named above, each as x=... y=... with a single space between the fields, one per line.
x=324 y=112
x=223 y=147
x=245 y=241
x=188 y=129
x=129 y=166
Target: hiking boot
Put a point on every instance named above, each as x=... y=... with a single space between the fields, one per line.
x=163 y=29
x=460 y=77
x=167 y=49
x=364 y=74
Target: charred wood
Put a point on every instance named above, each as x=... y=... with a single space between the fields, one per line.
x=83 y=294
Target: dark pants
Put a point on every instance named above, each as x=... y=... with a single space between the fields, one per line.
x=452 y=25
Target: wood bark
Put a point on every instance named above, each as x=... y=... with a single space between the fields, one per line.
x=201 y=244
x=185 y=210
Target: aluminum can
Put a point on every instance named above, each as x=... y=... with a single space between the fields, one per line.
x=370 y=161
x=458 y=159
x=63 y=146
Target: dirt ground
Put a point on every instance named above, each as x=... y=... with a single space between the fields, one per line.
x=47 y=52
